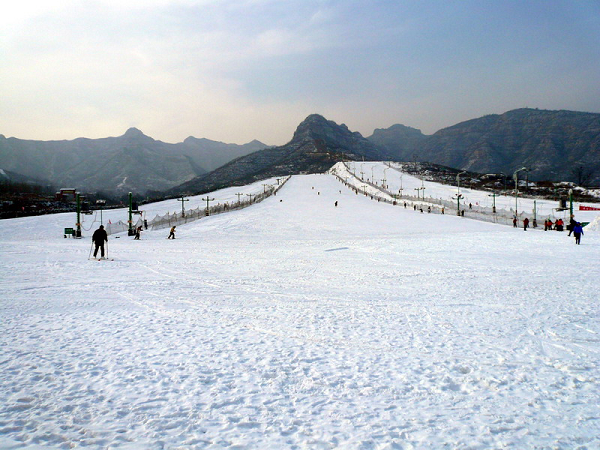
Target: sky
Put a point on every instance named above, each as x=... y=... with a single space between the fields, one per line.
x=239 y=70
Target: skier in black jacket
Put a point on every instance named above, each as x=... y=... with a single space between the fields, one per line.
x=99 y=237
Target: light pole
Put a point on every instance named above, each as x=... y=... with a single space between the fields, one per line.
x=384 y=181
x=372 y=176
x=101 y=202
x=418 y=189
x=130 y=221
x=516 y=178
x=239 y=195
x=493 y=195
x=401 y=189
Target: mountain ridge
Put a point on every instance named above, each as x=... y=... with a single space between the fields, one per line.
x=130 y=162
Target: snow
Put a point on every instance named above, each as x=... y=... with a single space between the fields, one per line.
x=298 y=324
x=395 y=179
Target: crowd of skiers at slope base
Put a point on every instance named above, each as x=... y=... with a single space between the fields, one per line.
x=574 y=227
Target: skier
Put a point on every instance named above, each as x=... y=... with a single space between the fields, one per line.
x=138 y=232
x=525 y=223
x=515 y=221
x=98 y=238
x=577 y=232
x=571 y=225
x=336 y=203
x=172 y=234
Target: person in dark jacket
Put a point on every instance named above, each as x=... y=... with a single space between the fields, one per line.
x=525 y=223
x=99 y=237
x=577 y=232
x=572 y=223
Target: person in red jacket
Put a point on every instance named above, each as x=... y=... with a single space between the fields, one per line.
x=525 y=223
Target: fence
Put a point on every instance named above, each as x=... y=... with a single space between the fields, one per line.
x=169 y=220
x=437 y=205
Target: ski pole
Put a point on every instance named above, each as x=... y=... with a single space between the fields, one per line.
x=107 y=249
x=91 y=247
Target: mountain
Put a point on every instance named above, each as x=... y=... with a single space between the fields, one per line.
x=398 y=140
x=316 y=145
x=554 y=145
x=131 y=162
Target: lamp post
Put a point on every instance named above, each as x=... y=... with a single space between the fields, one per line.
x=384 y=181
x=493 y=195
x=130 y=221
x=401 y=189
x=516 y=178
x=101 y=202
x=78 y=224
x=372 y=176
x=239 y=195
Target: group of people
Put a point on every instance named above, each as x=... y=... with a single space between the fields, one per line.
x=100 y=237
x=558 y=225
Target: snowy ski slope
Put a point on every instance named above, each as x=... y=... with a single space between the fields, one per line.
x=298 y=324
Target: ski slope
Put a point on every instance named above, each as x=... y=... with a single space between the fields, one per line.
x=298 y=324
x=398 y=182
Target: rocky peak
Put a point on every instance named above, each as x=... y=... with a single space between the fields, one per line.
x=317 y=127
x=133 y=133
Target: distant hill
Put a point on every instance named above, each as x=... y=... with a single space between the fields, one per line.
x=398 y=140
x=316 y=145
x=132 y=162
x=554 y=145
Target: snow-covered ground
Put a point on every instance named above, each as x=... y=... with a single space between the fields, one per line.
x=395 y=179
x=298 y=324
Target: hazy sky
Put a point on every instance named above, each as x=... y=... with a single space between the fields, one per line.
x=239 y=70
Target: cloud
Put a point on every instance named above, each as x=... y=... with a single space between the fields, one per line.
x=242 y=69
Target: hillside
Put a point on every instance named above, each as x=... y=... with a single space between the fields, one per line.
x=555 y=145
x=316 y=145
x=131 y=162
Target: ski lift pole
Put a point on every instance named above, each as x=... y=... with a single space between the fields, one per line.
x=78 y=224
x=130 y=231
x=570 y=203
x=208 y=199
x=182 y=199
